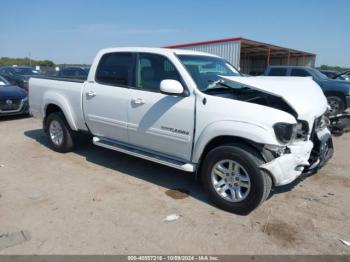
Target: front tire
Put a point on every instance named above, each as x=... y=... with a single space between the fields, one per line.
x=233 y=179
x=59 y=133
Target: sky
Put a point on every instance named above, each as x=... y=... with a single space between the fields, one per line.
x=72 y=31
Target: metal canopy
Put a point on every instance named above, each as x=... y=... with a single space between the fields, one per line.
x=254 y=48
x=251 y=56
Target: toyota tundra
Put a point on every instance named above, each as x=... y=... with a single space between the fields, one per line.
x=192 y=111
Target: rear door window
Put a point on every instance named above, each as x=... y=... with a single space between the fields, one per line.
x=278 y=71
x=116 y=69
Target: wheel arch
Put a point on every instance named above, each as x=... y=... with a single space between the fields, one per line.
x=231 y=132
x=53 y=107
x=226 y=139
x=257 y=148
x=54 y=103
x=251 y=160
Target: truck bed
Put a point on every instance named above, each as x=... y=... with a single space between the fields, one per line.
x=76 y=80
x=68 y=92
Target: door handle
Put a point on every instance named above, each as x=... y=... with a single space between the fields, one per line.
x=138 y=101
x=90 y=93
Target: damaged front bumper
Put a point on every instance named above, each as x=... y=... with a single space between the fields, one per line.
x=302 y=156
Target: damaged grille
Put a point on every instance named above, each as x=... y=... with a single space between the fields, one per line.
x=315 y=127
x=302 y=130
x=317 y=124
x=320 y=149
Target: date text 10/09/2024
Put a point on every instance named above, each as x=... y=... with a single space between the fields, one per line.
x=173 y=258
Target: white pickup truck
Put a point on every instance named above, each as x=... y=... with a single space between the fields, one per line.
x=192 y=111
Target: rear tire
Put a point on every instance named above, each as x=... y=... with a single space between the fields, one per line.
x=247 y=185
x=60 y=135
x=337 y=105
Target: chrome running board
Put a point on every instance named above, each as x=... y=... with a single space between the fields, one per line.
x=106 y=143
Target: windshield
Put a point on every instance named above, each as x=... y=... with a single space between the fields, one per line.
x=25 y=71
x=3 y=81
x=206 y=70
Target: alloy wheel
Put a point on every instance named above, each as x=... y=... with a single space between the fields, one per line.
x=56 y=132
x=230 y=180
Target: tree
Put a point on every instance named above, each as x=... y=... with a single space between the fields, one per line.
x=333 y=68
x=26 y=61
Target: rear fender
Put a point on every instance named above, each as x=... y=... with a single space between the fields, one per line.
x=60 y=101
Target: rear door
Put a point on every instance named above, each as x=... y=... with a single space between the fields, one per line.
x=159 y=122
x=106 y=99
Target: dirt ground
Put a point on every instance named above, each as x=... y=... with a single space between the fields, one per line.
x=96 y=201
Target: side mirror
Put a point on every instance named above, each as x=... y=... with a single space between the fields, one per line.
x=171 y=87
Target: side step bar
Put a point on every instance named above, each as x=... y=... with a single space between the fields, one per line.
x=188 y=167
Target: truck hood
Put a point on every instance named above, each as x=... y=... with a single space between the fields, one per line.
x=302 y=94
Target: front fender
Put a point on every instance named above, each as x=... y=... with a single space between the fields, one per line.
x=249 y=131
x=60 y=101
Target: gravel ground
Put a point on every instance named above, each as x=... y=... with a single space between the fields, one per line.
x=96 y=201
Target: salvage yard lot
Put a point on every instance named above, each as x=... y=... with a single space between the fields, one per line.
x=96 y=201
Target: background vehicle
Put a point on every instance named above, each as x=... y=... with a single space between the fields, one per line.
x=343 y=76
x=194 y=112
x=13 y=99
x=18 y=75
x=336 y=91
x=329 y=74
x=73 y=73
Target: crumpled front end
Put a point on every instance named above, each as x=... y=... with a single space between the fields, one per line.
x=300 y=148
x=300 y=157
x=287 y=167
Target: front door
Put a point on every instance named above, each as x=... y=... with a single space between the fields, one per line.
x=159 y=122
x=105 y=100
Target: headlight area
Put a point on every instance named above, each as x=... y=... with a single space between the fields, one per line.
x=299 y=150
x=270 y=152
x=285 y=132
x=287 y=160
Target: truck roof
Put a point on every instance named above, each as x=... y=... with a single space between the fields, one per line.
x=155 y=51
